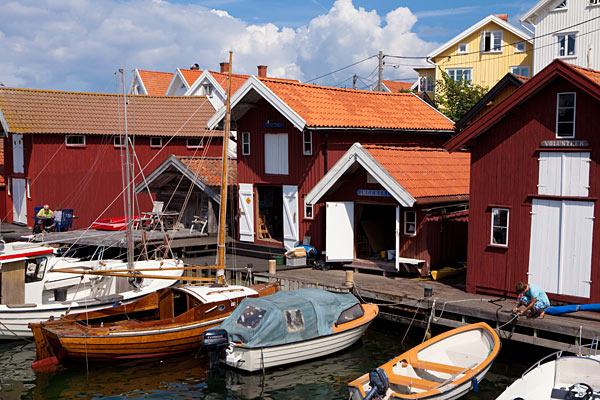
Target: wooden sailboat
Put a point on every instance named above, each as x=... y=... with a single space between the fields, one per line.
x=166 y=322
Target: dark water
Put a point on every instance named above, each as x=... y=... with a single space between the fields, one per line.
x=186 y=377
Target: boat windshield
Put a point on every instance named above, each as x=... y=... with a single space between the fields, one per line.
x=251 y=317
x=350 y=314
x=35 y=269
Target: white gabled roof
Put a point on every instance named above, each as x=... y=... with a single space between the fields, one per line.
x=357 y=155
x=178 y=76
x=137 y=80
x=475 y=28
x=206 y=76
x=253 y=83
x=534 y=10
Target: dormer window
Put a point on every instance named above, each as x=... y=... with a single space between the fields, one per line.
x=565 y=115
x=491 y=41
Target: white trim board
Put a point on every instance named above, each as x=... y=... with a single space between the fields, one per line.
x=177 y=76
x=358 y=154
x=4 y=123
x=137 y=78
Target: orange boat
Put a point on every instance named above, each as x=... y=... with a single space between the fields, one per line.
x=166 y=322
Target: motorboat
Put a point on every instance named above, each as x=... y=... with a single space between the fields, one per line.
x=560 y=375
x=444 y=367
x=33 y=288
x=162 y=323
x=288 y=327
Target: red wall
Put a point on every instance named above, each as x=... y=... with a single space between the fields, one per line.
x=306 y=171
x=504 y=172
x=88 y=179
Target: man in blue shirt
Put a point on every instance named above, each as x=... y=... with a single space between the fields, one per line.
x=533 y=298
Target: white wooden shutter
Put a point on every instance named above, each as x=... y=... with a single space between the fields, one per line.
x=576 y=248
x=246 y=205
x=339 y=231
x=18 y=159
x=276 y=153
x=550 y=173
x=576 y=174
x=290 y=216
x=544 y=245
x=19 y=200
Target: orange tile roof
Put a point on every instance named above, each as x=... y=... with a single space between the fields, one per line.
x=522 y=78
x=237 y=80
x=54 y=112
x=425 y=172
x=591 y=74
x=322 y=106
x=209 y=169
x=190 y=75
x=156 y=83
x=397 y=87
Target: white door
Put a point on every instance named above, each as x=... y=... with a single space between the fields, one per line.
x=576 y=248
x=339 y=231
x=290 y=216
x=19 y=200
x=18 y=159
x=397 y=233
x=544 y=244
x=246 y=205
x=276 y=153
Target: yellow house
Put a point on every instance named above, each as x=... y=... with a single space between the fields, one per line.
x=482 y=54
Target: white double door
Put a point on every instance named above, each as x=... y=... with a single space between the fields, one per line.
x=560 y=253
x=290 y=214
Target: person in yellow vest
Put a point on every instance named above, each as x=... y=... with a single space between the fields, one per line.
x=45 y=219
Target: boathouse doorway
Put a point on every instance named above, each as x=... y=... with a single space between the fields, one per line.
x=269 y=213
x=375 y=233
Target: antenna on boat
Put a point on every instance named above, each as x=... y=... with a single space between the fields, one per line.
x=224 y=173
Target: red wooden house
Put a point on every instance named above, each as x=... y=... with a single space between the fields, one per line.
x=65 y=148
x=534 y=187
x=290 y=134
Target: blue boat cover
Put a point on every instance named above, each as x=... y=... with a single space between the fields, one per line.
x=286 y=317
x=572 y=308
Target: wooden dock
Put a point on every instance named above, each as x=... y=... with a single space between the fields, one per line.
x=402 y=300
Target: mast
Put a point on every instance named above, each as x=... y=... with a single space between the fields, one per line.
x=128 y=218
x=223 y=205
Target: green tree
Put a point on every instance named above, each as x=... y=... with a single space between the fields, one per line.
x=455 y=98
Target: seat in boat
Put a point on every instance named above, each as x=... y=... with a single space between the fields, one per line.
x=410 y=381
x=433 y=366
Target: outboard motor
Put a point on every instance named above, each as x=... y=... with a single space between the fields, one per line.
x=215 y=341
x=379 y=384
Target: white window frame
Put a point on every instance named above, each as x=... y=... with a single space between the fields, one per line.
x=566 y=36
x=156 y=145
x=470 y=69
x=245 y=142
x=193 y=146
x=558 y=108
x=75 y=144
x=493 y=36
x=117 y=142
x=519 y=44
x=308 y=206
x=407 y=223
x=561 y=6
x=594 y=3
x=306 y=142
x=465 y=50
x=512 y=70
x=494 y=209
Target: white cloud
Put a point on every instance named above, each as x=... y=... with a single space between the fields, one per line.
x=78 y=44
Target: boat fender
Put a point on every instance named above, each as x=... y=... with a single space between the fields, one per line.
x=379 y=384
x=475 y=385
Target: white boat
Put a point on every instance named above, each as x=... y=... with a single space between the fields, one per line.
x=444 y=367
x=289 y=327
x=33 y=289
x=563 y=377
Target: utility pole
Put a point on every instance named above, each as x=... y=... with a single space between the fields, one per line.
x=354 y=79
x=379 y=80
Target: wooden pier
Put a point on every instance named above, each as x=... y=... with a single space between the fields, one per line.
x=402 y=300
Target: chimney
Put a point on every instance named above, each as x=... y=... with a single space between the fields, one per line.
x=503 y=17
x=224 y=67
x=262 y=71
x=195 y=67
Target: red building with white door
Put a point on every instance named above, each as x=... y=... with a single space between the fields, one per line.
x=65 y=148
x=290 y=134
x=535 y=173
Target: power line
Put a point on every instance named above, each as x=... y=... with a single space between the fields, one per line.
x=341 y=69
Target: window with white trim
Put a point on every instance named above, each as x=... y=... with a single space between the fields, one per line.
x=410 y=223
x=491 y=42
x=462 y=48
x=520 y=47
x=565 y=115
x=308 y=210
x=561 y=5
x=460 y=74
x=594 y=2
x=307 y=143
x=75 y=140
x=118 y=141
x=499 y=235
x=245 y=143
x=156 y=142
x=522 y=70
x=194 y=143
x=566 y=44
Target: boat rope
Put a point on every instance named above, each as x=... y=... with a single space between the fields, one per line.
x=74 y=296
x=13 y=332
x=411 y=321
x=431 y=314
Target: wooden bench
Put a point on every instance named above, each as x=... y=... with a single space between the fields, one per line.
x=433 y=366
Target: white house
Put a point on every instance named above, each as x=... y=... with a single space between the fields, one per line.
x=565 y=29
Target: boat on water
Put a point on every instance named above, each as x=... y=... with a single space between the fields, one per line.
x=36 y=286
x=559 y=376
x=444 y=367
x=288 y=327
x=163 y=323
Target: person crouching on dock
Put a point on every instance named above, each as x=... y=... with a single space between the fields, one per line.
x=533 y=298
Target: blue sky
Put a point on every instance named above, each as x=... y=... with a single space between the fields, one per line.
x=79 y=44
